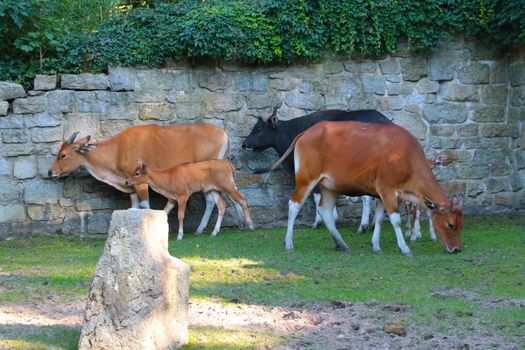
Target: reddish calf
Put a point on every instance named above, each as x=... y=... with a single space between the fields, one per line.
x=179 y=182
x=380 y=160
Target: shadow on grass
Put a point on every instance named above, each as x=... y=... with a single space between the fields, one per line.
x=29 y=337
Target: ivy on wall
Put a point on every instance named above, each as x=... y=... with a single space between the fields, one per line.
x=250 y=31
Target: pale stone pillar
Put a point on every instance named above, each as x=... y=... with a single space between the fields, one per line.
x=139 y=296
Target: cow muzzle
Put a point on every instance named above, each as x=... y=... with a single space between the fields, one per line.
x=454 y=250
x=51 y=175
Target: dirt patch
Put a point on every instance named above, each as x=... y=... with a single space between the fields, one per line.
x=340 y=325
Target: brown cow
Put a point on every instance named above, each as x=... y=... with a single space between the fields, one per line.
x=113 y=161
x=380 y=160
x=179 y=182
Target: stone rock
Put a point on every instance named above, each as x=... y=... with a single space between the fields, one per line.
x=40 y=119
x=156 y=111
x=139 y=295
x=373 y=84
x=516 y=72
x=413 y=68
x=40 y=191
x=15 y=150
x=223 y=103
x=495 y=130
x=474 y=73
x=46 y=212
x=85 y=123
x=84 y=81
x=5 y=167
x=360 y=66
x=426 y=86
x=9 y=91
x=445 y=112
x=45 y=82
x=98 y=222
x=12 y=213
x=4 y=107
x=52 y=134
x=494 y=95
x=61 y=101
x=498 y=73
x=413 y=123
x=399 y=88
x=162 y=79
x=9 y=189
x=303 y=101
x=15 y=136
x=442 y=65
x=390 y=66
x=452 y=91
x=489 y=114
x=121 y=78
x=216 y=81
x=390 y=103
x=285 y=83
x=362 y=101
x=29 y=105
x=25 y=167
x=251 y=82
x=395 y=326
x=517 y=96
x=333 y=67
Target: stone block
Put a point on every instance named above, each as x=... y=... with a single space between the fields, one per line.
x=45 y=82
x=259 y=195
x=5 y=167
x=497 y=184
x=251 y=82
x=15 y=136
x=98 y=223
x=284 y=84
x=162 y=79
x=87 y=102
x=413 y=123
x=41 y=120
x=52 y=134
x=442 y=65
x=489 y=114
x=121 y=78
x=516 y=72
x=360 y=66
x=12 y=121
x=95 y=203
x=61 y=101
x=4 y=108
x=390 y=103
x=495 y=130
x=10 y=91
x=427 y=86
x=29 y=105
x=15 y=150
x=12 y=213
x=362 y=101
x=303 y=101
x=215 y=81
x=40 y=191
x=84 y=81
x=498 y=73
x=494 y=95
x=399 y=88
x=139 y=295
x=25 y=167
x=45 y=213
x=442 y=130
x=413 y=68
x=390 y=65
x=474 y=73
x=85 y=123
x=333 y=67
x=43 y=164
x=468 y=130
x=373 y=84
x=517 y=96
x=261 y=100
x=453 y=91
x=223 y=102
x=9 y=189
x=445 y=112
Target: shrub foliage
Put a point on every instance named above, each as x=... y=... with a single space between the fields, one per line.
x=88 y=35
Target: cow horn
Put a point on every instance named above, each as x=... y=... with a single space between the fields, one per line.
x=72 y=138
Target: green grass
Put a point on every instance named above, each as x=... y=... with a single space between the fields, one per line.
x=253 y=268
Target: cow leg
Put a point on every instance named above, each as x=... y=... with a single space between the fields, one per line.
x=134 y=200
x=182 y=209
x=408 y=232
x=431 y=226
x=169 y=205
x=143 y=194
x=326 y=211
x=378 y=217
x=395 y=220
x=365 y=216
x=240 y=215
x=210 y=202
x=221 y=206
x=417 y=226
x=318 y=220
x=238 y=198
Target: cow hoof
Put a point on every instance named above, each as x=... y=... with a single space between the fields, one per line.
x=198 y=233
x=408 y=254
x=362 y=229
x=251 y=227
x=179 y=238
x=342 y=248
x=214 y=234
x=377 y=251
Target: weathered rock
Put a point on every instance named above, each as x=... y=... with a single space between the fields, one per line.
x=517 y=96
x=61 y=101
x=85 y=81
x=121 y=78
x=494 y=95
x=426 y=86
x=474 y=73
x=98 y=222
x=395 y=326
x=445 y=113
x=516 y=73
x=24 y=167
x=399 y=88
x=139 y=296
x=373 y=84
x=223 y=103
x=303 y=101
x=12 y=213
x=29 y=105
x=162 y=79
x=390 y=66
x=442 y=65
x=45 y=82
x=46 y=134
x=9 y=189
x=85 y=123
x=40 y=119
x=15 y=136
x=9 y=91
x=215 y=82
x=333 y=67
x=39 y=191
x=498 y=73
x=4 y=107
x=452 y=91
x=413 y=68
x=251 y=82
x=45 y=212
x=489 y=114
x=360 y=66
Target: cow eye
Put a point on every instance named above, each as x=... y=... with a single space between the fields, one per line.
x=137 y=173
x=62 y=156
x=451 y=225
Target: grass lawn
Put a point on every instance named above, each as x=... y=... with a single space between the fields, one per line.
x=485 y=284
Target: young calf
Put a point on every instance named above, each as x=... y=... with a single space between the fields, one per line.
x=179 y=182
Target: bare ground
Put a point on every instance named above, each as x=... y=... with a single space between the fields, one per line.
x=336 y=326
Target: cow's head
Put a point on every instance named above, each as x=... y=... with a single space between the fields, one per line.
x=448 y=222
x=263 y=135
x=70 y=155
x=139 y=175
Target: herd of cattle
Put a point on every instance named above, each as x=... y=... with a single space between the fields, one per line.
x=332 y=152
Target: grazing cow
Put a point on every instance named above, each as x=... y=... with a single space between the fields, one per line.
x=179 y=182
x=279 y=134
x=113 y=161
x=380 y=160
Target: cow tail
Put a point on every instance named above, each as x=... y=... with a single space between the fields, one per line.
x=283 y=157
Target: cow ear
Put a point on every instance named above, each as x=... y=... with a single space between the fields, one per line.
x=430 y=205
x=83 y=146
x=457 y=201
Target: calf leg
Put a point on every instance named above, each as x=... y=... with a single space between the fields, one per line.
x=326 y=211
x=431 y=226
x=221 y=206
x=182 y=209
x=391 y=206
x=408 y=232
x=207 y=213
x=134 y=200
x=169 y=205
x=143 y=195
x=294 y=205
x=417 y=226
x=378 y=217
x=365 y=216
x=238 y=198
x=317 y=199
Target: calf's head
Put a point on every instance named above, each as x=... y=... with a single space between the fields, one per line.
x=448 y=223
x=70 y=155
x=139 y=175
x=263 y=135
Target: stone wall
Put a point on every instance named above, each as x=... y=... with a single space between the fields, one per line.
x=467 y=100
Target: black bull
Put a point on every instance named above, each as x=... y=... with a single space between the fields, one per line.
x=279 y=134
